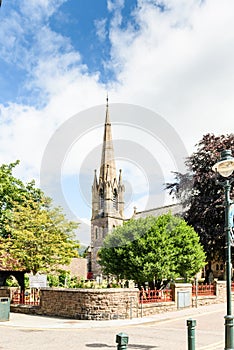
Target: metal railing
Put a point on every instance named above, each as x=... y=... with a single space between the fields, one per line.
x=155 y=296
x=27 y=297
x=203 y=290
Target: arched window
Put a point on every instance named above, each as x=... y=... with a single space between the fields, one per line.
x=101 y=199
x=96 y=233
x=221 y=267
x=217 y=267
x=115 y=200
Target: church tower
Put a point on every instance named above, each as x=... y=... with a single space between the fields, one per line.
x=107 y=197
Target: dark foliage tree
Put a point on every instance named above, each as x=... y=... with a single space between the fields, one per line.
x=201 y=196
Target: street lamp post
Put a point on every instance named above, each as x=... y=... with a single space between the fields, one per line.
x=225 y=167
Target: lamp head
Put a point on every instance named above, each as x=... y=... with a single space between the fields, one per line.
x=225 y=166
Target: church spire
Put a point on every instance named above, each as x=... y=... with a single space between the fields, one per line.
x=95 y=183
x=107 y=197
x=107 y=168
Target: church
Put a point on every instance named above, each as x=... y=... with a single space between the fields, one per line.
x=108 y=200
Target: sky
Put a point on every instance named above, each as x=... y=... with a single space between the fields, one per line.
x=167 y=67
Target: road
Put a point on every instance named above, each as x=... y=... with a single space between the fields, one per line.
x=167 y=331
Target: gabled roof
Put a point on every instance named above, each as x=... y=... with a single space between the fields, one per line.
x=174 y=209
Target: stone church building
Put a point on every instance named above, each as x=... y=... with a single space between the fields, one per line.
x=108 y=204
x=108 y=200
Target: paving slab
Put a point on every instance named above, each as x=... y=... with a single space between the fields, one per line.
x=43 y=322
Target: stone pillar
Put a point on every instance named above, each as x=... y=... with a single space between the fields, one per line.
x=182 y=294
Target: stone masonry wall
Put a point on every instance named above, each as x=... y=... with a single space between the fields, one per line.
x=98 y=304
x=111 y=303
x=4 y=292
x=150 y=309
x=219 y=297
x=89 y=304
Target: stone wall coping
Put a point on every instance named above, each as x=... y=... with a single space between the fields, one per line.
x=221 y=282
x=183 y=285
x=205 y=297
x=157 y=304
x=90 y=290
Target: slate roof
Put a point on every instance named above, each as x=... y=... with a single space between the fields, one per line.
x=174 y=209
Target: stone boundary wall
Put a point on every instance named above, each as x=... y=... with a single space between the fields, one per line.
x=219 y=297
x=110 y=303
x=89 y=304
x=150 y=309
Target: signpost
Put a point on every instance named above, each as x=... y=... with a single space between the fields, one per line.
x=37 y=281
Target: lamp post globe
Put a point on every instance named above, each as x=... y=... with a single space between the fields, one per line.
x=225 y=167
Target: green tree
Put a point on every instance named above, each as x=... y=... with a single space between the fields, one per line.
x=35 y=235
x=201 y=196
x=152 y=249
x=13 y=191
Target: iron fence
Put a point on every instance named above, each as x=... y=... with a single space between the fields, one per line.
x=27 y=297
x=203 y=290
x=154 y=295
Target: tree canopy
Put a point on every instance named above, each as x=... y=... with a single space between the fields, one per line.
x=13 y=190
x=201 y=196
x=152 y=249
x=34 y=235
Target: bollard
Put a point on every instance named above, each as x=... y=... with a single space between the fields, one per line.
x=191 y=324
x=229 y=339
x=122 y=340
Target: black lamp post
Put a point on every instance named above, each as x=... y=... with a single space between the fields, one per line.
x=225 y=167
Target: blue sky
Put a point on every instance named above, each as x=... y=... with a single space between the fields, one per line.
x=81 y=27
x=59 y=58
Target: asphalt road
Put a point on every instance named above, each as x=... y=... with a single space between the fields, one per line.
x=168 y=331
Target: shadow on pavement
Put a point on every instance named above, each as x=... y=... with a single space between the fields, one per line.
x=143 y=347
x=99 y=346
x=130 y=346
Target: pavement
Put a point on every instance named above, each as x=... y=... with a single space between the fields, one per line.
x=42 y=322
x=159 y=332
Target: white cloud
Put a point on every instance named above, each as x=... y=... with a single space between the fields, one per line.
x=116 y=5
x=101 y=31
x=39 y=10
x=177 y=62
x=180 y=64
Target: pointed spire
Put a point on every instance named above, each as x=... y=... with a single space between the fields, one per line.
x=107 y=120
x=120 y=176
x=95 y=183
x=107 y=172
x=108 y=157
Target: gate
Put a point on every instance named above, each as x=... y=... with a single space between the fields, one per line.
x=27 y=297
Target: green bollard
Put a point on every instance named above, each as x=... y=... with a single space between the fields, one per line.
x=229 y=338
x=122 y=340
x=191 y=324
